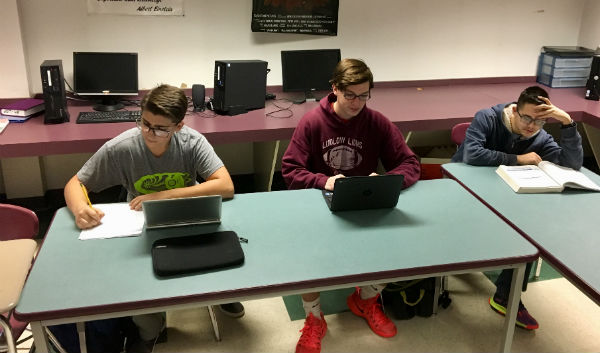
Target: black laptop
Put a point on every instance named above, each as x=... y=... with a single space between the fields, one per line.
x=364 y=192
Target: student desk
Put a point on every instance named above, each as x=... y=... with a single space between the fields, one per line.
x=437 y=228
x=563 y=226
x=415 y=107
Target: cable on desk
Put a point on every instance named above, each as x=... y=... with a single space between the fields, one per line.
x=77 y=99
x=203 y=114
x=135 y=102
x=68 y=85
x=285 y=110
x=73 y=96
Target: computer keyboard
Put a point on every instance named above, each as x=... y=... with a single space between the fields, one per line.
x=117 y=116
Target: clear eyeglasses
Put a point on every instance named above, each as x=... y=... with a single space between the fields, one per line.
x=526 y=119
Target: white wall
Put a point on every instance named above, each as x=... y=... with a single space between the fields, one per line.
x=399 y=39
x=13 y=78
x=589 y=35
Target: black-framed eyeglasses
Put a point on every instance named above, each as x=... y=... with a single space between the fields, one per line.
x=158 y=132
x=351 y=96
x=526 y=119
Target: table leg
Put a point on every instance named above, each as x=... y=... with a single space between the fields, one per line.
x=265 y=158
x=538 y=267
x=81 y=334
x=54 y=341
x=512 y=307
x=215 y=324
x=39 y=337
x=593 y=135
x=436 y=293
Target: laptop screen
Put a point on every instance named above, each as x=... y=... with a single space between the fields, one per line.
x=182 y=211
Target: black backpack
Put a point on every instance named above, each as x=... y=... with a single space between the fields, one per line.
x=405 y=299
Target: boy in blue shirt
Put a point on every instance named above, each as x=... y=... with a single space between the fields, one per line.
x=512 y=134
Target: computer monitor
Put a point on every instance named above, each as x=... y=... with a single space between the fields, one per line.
x=308 y=70
x=109 y=75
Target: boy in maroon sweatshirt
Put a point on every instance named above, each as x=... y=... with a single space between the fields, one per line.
x=343 y=137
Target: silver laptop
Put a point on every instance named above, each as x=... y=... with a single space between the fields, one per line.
x=182 y=212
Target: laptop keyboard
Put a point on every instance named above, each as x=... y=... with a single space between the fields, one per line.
x=117 y=116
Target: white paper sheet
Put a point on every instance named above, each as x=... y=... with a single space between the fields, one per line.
x=118 y=221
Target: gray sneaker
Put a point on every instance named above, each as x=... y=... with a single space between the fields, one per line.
x=232 y=309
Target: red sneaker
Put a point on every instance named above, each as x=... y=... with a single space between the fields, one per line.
x=312 y=333
x=370 y=309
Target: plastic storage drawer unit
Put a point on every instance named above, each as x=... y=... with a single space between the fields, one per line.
x=556 y=82
x=558 y=61
x=555 y=70
x=566 y=72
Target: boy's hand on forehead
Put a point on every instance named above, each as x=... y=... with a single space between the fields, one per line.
x=549 y=110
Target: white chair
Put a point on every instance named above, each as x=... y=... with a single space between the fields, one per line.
x=17 y=248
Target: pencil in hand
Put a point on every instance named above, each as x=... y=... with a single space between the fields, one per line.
x=86 y=195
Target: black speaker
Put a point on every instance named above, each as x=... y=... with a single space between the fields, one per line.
x=240 y=85
x=592 y=91
x=198 y=97
x=53 y=88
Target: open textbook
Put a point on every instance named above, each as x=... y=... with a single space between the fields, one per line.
x=545 y=177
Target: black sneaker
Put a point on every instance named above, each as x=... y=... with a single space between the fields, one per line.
x=232 y=309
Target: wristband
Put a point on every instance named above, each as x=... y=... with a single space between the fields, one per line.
x=572 y=124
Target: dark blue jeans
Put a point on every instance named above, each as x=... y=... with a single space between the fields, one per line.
x=503 y=282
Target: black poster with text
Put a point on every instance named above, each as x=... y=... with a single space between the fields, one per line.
x=319 y=17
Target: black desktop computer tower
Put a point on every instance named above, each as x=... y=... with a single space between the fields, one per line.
x=53 y=88
x=240 y=85
x=592 y=90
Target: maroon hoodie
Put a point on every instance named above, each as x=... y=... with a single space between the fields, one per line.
x=324 y=145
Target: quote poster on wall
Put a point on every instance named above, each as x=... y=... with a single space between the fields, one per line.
x=319 y=17
x=136 y=7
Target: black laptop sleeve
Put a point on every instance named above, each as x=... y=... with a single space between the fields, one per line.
x=201 y=252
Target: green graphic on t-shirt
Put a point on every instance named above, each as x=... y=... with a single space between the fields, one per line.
x=161 y=181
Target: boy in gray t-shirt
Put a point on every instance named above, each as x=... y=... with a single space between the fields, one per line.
x=157 y=160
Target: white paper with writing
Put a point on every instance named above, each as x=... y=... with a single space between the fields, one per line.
x=118 y=221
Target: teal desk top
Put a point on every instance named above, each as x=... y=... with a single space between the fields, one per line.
x=564 y=226
x=295 y=244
